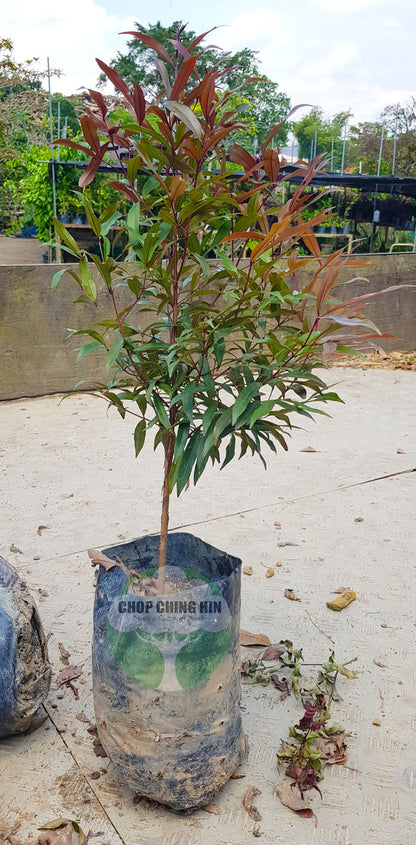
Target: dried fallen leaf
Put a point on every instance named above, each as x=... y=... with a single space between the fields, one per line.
x=401 y=452
x=273 y=651
x=42 y=528
x=248 y=570
x=333 y=749
x=68 y=674
x=358 y=519
x=342 y=601
x=15 y=550
x=284 y=685
x=377 y=722
x=82 y=718
x=291 y=798
x=62 y=832
x=99 y=749
x=286 y=543
x=278 y=563
x=36 y=722
x=248 y=639
x=100 y=559
x=308 y=449
x=65 y=655
x=379 y=663
x=248 y=802
x=277 y=524
x=269 y=573
x=290 y=594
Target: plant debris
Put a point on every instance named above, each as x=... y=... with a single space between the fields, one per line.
x=42 y=528
x=248 y=805
x=269 y=573
x=397 y=360
x=64 y=654
x=247 y=570
x=15 y=550
x=290 y=798
x=62 y=832
x=344 y=599
x=69 y=673
x=290 y=594
x=248 y=639
x=286 y=543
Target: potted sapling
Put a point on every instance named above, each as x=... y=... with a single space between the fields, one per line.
x=212 y=347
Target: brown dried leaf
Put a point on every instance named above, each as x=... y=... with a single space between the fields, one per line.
x=290 y=594
x=36 y=722
x=65 y=655
x=247 y=570
x=42 y=528
x=82 y=718
x=333 y=749
x=269 y=573
x=291 y=798
x=284 y=685
x=15 y=550
x=248 y=639
x=68 y=674
x=62 y=832
x=277 y=524
x=99 y=749
x=273 y=651
x=248 y=796
x=100 y=559
x=308 y=449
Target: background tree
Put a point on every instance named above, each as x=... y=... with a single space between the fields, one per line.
x=266 y=104
x=316 y=135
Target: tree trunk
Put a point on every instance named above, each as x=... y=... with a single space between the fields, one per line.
x=169 y=445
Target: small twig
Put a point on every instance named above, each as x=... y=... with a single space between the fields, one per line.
x=319 y=629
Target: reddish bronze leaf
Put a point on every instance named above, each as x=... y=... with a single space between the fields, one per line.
x=114 y=77
x=152 y=43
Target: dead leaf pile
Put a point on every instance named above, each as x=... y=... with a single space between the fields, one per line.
x=397 y=360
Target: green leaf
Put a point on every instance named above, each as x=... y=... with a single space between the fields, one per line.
x=229 y=452
x=56 y=278
x=87 y=281
x=161 y=411
x=247 y=394
x=66 y=238
x=181 y=438
x=89 y=347
x=113 y=353
x=187 y=462
x=262 y=411
x=139 y=436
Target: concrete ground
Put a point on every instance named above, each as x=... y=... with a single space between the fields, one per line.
x=344 y=496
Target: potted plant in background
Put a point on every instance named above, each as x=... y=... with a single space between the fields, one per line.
x=212 y=348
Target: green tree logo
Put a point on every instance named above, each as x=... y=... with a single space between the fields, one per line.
x=173 y=641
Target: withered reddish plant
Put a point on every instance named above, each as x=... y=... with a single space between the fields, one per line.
x=212 y=343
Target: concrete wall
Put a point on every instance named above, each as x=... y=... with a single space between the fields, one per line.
x=37 y=358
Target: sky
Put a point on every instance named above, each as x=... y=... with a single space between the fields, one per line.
x=356 y=55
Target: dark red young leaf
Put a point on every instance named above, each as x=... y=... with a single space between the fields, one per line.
x=114 y=77
x=152 y=43
x=200 y=38
x=138 y=103
x=99 y=101
x=124 y=189
x=180 y=48
x=271 y=164
x=90 y=133
x=239 y=155
x=207 y=97
x=242 y=236
x=88 y=175
x=182 y=78
x=64 y=142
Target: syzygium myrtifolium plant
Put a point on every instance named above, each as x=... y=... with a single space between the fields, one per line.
x=225 y=355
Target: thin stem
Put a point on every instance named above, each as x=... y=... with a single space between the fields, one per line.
x=169 y=444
